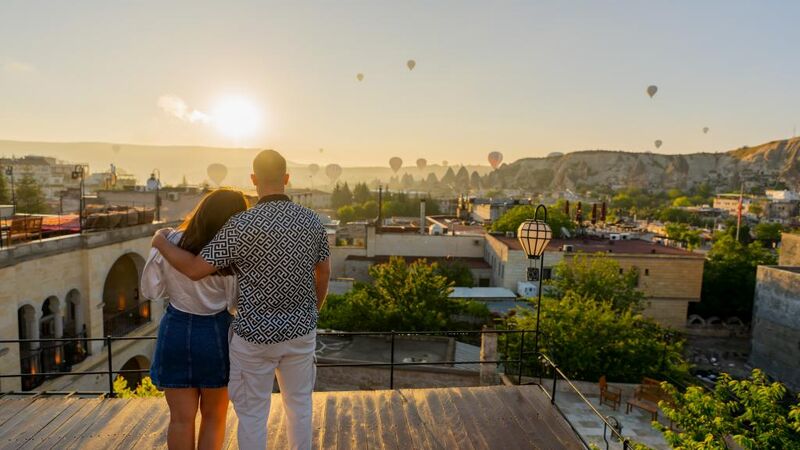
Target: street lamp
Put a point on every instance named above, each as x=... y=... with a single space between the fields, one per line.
x=10 y=174
x=156 y=181
x=79 y=173
x=534 y=235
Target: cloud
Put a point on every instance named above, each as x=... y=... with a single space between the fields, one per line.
x=18 y=67
x=175 y=106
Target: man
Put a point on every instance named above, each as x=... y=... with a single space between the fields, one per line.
x=279 y=251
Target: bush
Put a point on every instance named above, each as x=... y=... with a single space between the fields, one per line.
x=145 y=389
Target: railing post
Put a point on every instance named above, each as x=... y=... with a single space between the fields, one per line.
x=555 y=380
x=391 y=365
x=521 y=354
x=110 y=368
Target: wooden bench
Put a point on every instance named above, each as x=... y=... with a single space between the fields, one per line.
x=609 y=395
x=646 y=397
x=24 y=229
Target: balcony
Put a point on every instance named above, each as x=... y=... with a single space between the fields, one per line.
x=123 y=322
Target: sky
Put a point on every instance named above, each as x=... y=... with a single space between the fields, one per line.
x=524 y=78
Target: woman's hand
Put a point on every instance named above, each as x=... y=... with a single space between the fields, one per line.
x=160 y=238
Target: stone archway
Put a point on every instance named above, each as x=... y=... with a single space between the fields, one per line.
x=28 y=328
x=73 y=314
x=123 y=310
x=136 y=363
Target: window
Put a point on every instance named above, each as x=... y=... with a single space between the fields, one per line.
x=647 y=272
x=547 y=273
x=620 y=270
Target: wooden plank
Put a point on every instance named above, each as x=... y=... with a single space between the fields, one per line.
x=344 y=436
x=358 y=429
x=118 y=426
x=396 y=410
x=156 y=410
x=327 y=437
x=472 y=422
x=551 y=419
x=525 y=417
x=83 y=427
x=423 y=421
x=71 y=427
x=367 y=419
x=155 y=435
x=29 y=421
x=277 y=437
x=10 y=407
x=501 y=419
x=55 y=424
x=386 y=434
x=97 y=422
x=445 y=416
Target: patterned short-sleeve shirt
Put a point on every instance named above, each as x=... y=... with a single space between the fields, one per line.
x=273 y=248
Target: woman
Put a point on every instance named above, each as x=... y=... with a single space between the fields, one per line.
x=191 y=358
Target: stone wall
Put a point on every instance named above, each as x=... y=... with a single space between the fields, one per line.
x=776 y=324
x=790 y=250
x=369 y=378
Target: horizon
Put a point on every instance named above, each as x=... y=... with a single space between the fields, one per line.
x=525 y=80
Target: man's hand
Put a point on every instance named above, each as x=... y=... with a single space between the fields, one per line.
x=193 y=266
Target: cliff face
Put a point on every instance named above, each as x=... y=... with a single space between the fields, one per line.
x=777 y=160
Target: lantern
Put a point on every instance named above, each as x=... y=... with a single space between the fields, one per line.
x=534 y=235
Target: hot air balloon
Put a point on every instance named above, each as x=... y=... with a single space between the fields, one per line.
x=651 y=90
x=495 y=158
x=705 y=130
x=217 y=172
x=333 y=171
x=658 y=143
x=313 y=168
x=411 y=64
x=395 y=163
x=360 y=77
x=422 y=163
x=321 y=150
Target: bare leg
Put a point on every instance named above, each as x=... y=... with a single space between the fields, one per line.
x=214 y=412
x=182 y=412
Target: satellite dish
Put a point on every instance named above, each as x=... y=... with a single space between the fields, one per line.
x=651 y=90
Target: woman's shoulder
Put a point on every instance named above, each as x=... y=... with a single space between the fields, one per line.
x=175 y=236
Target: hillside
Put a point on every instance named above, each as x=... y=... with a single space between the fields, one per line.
x=760 y=165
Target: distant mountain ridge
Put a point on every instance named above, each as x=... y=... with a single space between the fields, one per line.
x=759 y=165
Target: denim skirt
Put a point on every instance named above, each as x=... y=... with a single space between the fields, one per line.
x=191 y=351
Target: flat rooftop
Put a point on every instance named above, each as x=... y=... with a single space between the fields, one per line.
x=507 y=417
x=472 y=263
x=594 y=245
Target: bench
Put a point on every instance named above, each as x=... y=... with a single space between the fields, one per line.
x=24 y=229
x=646 y=397
x=609 y=395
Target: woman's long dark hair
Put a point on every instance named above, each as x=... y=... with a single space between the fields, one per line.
x=208 y=217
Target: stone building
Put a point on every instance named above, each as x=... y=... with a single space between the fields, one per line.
x=776 y=316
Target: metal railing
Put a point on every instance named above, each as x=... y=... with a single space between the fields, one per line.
x=127 y=320
x=610 y=430
x=392 y=364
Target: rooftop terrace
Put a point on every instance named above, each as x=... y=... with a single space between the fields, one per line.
x=507 y=417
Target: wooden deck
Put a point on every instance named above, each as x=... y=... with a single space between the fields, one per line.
x=497 y=417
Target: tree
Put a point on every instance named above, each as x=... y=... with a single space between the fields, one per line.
x=512 y=219
x=749 y=412
x=768 y=232
x=462 y=179
x=5 y=195
x=729 y=278
x=475 y=180
x=590 y=338
x=598 y=277
x=457 y=273
x=361 y=193
x=30 y=198
x=683 y=233
x=402 y=296
x=341 y=196
x=346 y=214
x=682 y=201
x=449 y=177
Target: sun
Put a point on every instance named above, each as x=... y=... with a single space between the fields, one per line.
x=237 y=117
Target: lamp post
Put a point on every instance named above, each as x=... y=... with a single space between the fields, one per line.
x=534 y=235
x=155 y=180
x=10 y=174
x=79 y=173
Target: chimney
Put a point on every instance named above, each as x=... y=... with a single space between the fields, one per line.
x=422 y=220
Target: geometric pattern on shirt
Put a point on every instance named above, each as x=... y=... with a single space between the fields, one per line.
x=273 y=248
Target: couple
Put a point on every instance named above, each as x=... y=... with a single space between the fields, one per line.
x=269 y=263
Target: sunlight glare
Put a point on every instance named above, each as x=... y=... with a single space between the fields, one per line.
x=237 y=117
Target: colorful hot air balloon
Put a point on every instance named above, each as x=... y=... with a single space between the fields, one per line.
x=395 y=163
x=422 y=163
x=411 y=64
x=217 y=172
x=658 y=143
x=333 y=171
x=705 y=130
x=495 y=158
x=313 y=168
x=651 y=90
x=360 y=77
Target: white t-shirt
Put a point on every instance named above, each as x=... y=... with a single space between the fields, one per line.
x=208 y=296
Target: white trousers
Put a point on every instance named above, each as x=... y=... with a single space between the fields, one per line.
x=253 y=367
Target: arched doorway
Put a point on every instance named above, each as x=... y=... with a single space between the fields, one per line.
x=28 y=328
x=123 y=309
x=75 y=351
x=135 y=363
